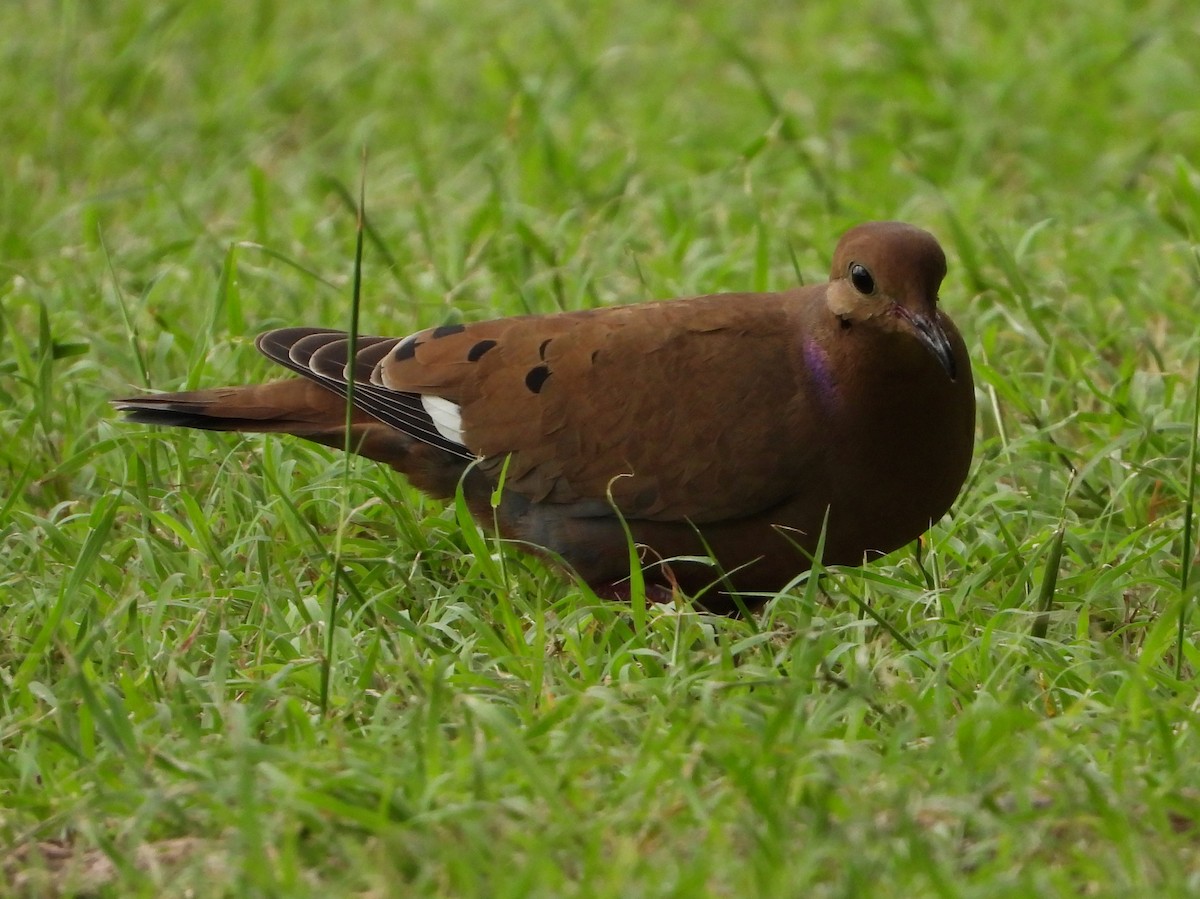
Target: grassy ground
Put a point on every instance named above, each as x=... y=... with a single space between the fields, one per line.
x=1012 y=713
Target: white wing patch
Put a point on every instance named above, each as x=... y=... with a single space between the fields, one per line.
x=446 y=416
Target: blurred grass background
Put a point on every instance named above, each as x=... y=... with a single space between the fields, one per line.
x=1010 y=713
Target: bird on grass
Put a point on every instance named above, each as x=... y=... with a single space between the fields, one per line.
x=729 y=436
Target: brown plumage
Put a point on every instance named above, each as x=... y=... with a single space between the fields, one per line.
x=736 y=425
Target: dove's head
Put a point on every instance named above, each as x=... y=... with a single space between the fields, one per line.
x=885 y=276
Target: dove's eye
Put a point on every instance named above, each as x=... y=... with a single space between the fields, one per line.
x=861 y=279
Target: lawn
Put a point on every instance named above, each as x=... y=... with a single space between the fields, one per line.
x=192 y=704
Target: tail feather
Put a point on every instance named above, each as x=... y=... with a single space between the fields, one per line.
x=291 y=406
x=302 y=408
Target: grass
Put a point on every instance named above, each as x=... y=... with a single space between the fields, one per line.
x=1011 y=711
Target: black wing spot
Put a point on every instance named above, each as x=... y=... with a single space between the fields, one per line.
x=406 y=350
x=447 y=330
x=536 y=378
x=476 y=352
x=542 y=348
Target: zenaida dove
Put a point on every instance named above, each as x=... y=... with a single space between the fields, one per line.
x=732 y=426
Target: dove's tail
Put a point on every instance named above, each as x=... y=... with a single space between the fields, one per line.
x=304 y=409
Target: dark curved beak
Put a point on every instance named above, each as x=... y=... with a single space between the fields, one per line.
x=930 y=333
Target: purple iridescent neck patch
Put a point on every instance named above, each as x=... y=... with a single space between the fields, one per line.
x=820 y=371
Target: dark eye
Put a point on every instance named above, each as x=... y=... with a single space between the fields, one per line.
x=861 y=279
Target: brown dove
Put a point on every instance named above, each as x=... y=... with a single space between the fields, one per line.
x=732 y=428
